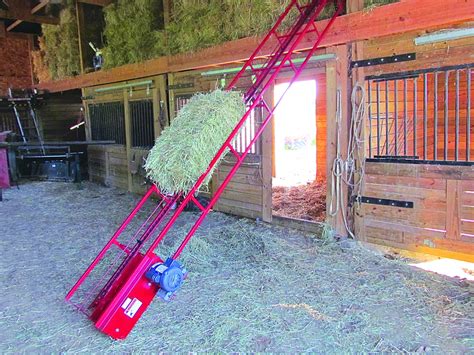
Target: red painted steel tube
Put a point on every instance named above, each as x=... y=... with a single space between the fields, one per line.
x=119 y=231
x=235 y=131
x=254 y=97
x=262 y=43
x=258 y=133
x=146 y=234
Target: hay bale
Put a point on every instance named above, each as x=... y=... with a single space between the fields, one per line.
x=185 y=149
x=134 y=32
x=61 y=44
x=199 y=24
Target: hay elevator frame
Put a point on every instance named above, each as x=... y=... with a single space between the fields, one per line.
x=123 y=279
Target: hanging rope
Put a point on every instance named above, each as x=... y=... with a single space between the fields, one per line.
x=350 y=171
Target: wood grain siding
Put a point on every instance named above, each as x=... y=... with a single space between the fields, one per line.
x=434 y=55
x=243 y=194
x=392 y=111
x=59 y=112
x=122 y=165
x=441 y=221
x=321 y=127
x=108 y=165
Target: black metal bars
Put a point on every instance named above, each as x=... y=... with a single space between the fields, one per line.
x=143 y=135
x=107 y=121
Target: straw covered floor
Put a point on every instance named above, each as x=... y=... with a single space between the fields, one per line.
x=252 y=286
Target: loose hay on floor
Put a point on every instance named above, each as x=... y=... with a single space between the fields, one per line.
x=252 y=287
x=306 y=202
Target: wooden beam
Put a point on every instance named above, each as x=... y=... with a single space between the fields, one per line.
x=96 y=2
x=405 y=16
x=48 y=20
x=354 y=5
x=2 y=29
x=20 y=10
x=13 y=25
x=34 y=10
x=38 y=7
x=80 y=22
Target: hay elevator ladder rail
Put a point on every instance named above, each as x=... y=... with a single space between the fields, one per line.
x=134 y=256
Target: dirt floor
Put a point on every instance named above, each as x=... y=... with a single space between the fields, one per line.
x=306 y=202
x=252 y=287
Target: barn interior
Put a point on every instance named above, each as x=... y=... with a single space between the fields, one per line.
x=334 y=213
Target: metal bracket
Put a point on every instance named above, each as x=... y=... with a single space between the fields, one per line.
x=383 y=60
x=180 y=86
x=384 y=202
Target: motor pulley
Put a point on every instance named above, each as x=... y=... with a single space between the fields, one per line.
x=169 y=276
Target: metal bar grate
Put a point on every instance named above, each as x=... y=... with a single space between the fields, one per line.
x=143 y=135
x=433 y=106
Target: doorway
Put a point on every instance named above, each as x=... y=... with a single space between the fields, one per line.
x=297 y=191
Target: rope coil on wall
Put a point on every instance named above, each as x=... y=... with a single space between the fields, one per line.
x=349 y=171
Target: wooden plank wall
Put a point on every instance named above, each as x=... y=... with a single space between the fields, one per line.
x=59 y=112
x=119 y=165
x=321 y=127
x=387 y=91
x=442 y=220
x=108 y=165
x=433 y=55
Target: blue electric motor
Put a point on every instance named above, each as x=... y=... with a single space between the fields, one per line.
x=169 y=275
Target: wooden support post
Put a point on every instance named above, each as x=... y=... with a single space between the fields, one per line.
x=80 y=19
x=171 y=98
x=128 y=137
x=159 y=103
x=266 y=162
x=86 y=117
x=30 y=55
x=354 y=6
x=156 y=110
x=453 y=209
x=358 y=78
x=2 y=29
x=337 y=79
x=167 y=7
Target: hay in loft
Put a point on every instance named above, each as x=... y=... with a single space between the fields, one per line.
x=134 y=32
x=185 y=149
x=373 y=3
x=197 y=24
x=60 y=44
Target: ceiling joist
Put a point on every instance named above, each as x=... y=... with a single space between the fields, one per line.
x=19 y=12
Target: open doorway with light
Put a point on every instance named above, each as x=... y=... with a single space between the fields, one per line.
x=299 y=187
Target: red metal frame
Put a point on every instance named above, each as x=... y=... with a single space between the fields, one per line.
x=118 y=304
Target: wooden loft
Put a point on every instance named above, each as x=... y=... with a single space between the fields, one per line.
x=403 y=16
x=19 y=12
x=15 y=14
